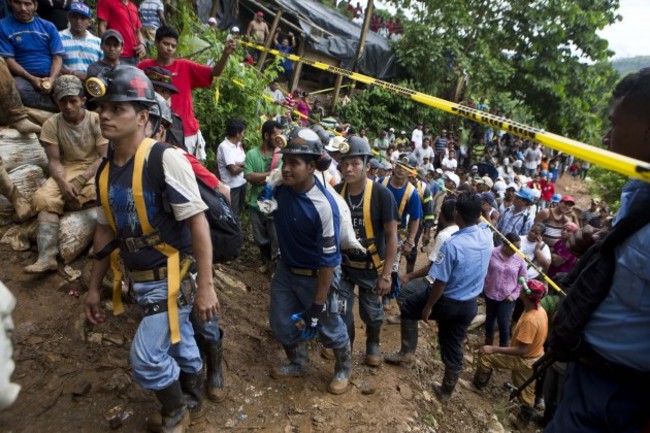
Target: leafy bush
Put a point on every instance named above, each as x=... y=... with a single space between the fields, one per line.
x=607 y=185
x=201 y=44
x=374 y=108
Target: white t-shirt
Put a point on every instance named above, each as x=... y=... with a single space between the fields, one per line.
x=440 y=240
x=528 y=248
x=421 y=153
x=449 y=164
x=229 y=154
x=395 y=155
x=532 y=158
x=416 y=137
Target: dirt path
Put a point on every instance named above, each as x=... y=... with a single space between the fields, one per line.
x=72 y=374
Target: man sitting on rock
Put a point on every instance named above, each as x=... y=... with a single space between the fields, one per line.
x=74 y=145
x=33 y=51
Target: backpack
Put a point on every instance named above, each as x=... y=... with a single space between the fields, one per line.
x=225 y=231
x=219 y=216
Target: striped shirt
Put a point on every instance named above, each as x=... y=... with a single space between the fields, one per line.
x=80 y=52
x=149 y=13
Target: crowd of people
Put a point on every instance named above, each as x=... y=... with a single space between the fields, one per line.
x=481 y=203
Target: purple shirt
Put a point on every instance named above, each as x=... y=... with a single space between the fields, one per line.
x=502 y=276
x=561 y=250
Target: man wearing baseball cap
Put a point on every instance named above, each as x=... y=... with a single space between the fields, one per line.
x=257 y=29
x=112 y=45
x=517 y=218
x=556 y=218
x=74 y=145
x=82 y=48
x=161 y=79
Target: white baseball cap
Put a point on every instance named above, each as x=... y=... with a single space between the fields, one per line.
x=452 y=177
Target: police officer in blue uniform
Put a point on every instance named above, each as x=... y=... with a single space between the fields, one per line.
x=456 y=279
x=304 y=290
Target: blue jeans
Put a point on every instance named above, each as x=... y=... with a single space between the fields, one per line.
x=418 y=285
x=453 y=318
x=157 y=363
x=31 y=97
x=499 y=311
x=371 y=309
x=292 y=294
x=208 y=332
x=594 y=403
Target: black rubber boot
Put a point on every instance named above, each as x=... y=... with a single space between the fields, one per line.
x=352 y=333
x=373 y=354
x=409 y=337
x=175 y=417
x=213 y=358
x=444 y=391
x=342 y=370
x=298 y=355
x=192 y=386
x=524 y=417
x=482 y=378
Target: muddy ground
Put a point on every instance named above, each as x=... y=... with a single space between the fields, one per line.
x=74 y=376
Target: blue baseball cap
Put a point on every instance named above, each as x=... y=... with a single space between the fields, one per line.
x=526 y=194
x=81 y=9
x=556 y=198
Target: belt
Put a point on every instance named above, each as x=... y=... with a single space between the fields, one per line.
x=161 y=273
x=358 y=264
x=612 y=370
x=162 y=306
x=304 y=272
x=133 y=245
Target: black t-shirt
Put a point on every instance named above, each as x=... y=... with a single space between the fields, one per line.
x=174 y=233
x=383 y=209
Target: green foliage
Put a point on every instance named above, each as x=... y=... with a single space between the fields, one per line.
x=545 y=57
x=375 y=108
x=203 y=45
x=630 y=64
x=607 y=185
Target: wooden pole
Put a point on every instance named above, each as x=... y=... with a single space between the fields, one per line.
x=337 y=90
x=297 y=66
x=269 y=39
x=364 y=34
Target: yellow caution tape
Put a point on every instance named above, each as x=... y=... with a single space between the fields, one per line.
x=550 y=282
x=604 y=158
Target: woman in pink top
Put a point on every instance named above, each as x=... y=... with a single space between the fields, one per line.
x=303 y=107
x=501 y=289
x=561 y=258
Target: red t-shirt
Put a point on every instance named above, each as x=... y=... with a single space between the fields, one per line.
x=201 y=172
x=548 y=190
x=125 y=19
x=188 y=76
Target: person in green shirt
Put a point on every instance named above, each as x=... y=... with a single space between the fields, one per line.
x=381 y=144
x=258 y=164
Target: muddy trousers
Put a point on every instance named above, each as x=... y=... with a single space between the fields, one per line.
x=11 y=106
x=521 y=369
x=156 y=362
x=291 y=294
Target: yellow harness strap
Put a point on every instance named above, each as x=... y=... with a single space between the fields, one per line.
x=367 y=222
x=172 y=254
x=402 y=205
x=420 y=190
x=118 y=307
